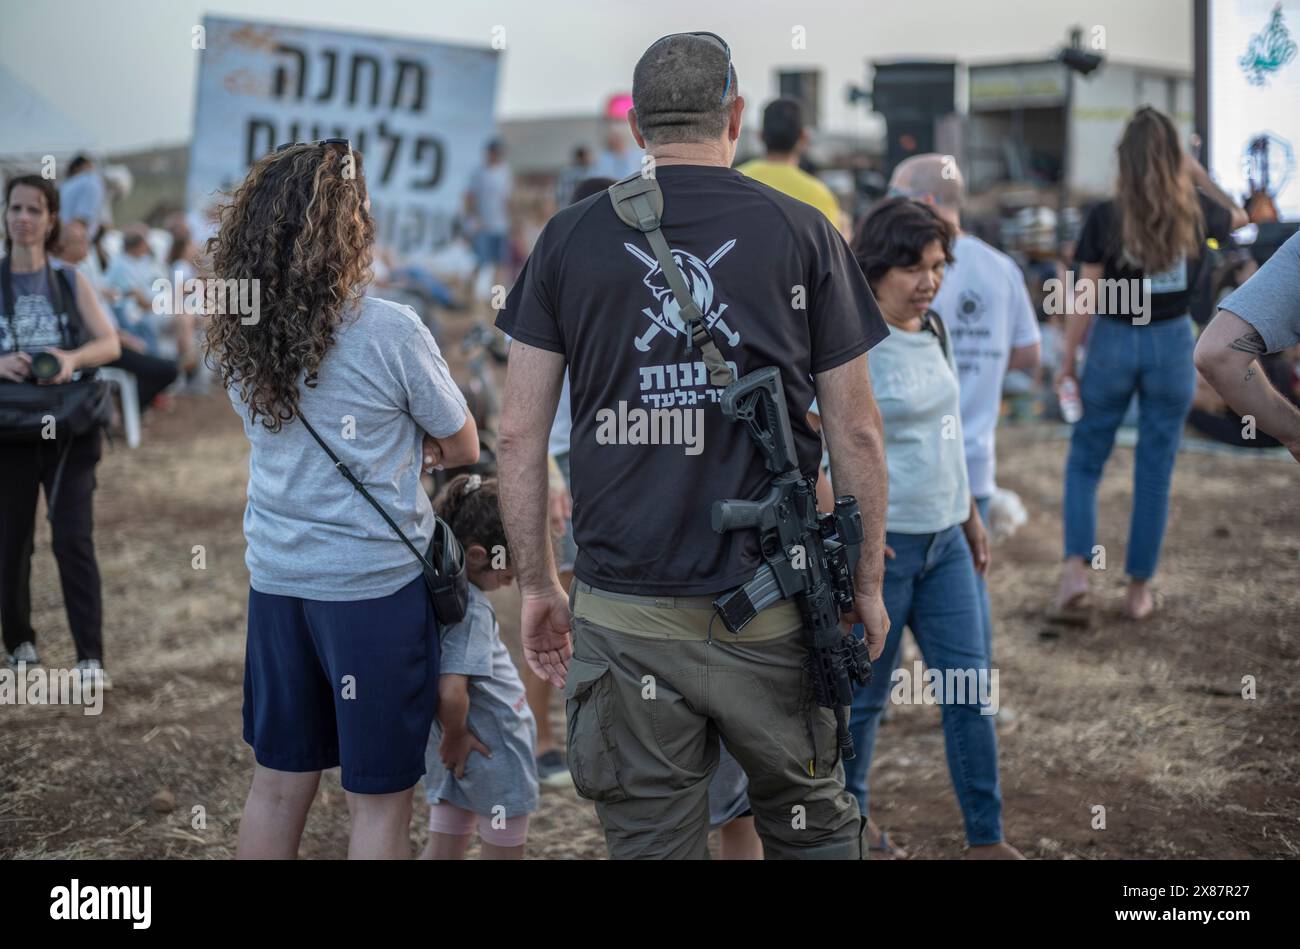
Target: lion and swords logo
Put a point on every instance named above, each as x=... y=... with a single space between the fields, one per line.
x=668 y=317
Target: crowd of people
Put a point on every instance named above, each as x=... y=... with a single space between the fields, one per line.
x=894 y=348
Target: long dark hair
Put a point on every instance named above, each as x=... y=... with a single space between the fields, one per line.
x=46 y=187
x=1159 y=214
x=297 y=224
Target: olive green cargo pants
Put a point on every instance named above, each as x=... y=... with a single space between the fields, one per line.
x=650 y=691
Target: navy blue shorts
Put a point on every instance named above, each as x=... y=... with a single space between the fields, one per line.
x=351 y=683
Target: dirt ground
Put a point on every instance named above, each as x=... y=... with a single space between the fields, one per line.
x=1145 y=719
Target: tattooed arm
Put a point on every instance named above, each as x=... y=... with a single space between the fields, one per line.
x=1226 y=355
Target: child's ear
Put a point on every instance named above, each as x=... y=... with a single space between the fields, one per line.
x=476 y=557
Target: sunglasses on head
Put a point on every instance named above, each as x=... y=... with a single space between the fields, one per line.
x=722 y=44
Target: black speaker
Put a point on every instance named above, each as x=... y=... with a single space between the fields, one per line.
x=912 y=96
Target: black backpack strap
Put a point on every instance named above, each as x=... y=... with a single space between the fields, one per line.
x=934 y=323
x=639 y=203
x=64 y=290
x=356 y=483
x=6 y=289
x=7 y=297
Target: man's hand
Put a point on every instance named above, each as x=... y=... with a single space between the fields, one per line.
x=15 y=367
x=978 y=538
x=455 y=748
x=869 y=610
x=544 y=629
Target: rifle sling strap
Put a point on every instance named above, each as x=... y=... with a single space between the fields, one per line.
x=639 y=203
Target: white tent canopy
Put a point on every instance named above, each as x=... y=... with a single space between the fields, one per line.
x=33 y=126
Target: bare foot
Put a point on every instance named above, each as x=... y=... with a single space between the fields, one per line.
x=1073 y=592
x=1000 y=851
x=879 y=845
x=1139 y=604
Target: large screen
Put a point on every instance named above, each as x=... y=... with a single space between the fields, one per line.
x=1253 y=59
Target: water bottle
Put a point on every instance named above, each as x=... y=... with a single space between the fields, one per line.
x=1071 y=405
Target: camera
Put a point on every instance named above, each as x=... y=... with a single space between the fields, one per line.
x=45 y=366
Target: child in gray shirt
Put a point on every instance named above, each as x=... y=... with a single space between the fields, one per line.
x=480 y=754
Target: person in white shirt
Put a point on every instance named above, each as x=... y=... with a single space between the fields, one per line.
x=986 y=308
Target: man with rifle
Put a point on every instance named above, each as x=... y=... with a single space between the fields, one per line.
x=699 y=313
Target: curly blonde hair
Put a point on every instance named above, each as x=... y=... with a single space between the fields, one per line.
x=299 y=225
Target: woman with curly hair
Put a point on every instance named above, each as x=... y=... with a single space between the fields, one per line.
x=341 y=666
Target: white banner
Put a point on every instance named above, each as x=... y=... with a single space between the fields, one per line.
x=420 y=113
x=1255 y=99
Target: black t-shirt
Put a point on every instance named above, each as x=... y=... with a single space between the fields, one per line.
x=1172 y=288
x=787 y=293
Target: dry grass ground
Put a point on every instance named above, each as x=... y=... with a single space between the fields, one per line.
x=1145 y=719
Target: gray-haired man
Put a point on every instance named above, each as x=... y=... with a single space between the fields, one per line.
x=651 y=682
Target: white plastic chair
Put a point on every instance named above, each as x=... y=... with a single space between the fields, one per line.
x=125 y=382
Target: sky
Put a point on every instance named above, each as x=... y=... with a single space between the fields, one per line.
x=125 y=71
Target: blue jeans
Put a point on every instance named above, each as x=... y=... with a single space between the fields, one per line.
x=930 y=587
x=982 y=588
x=1155 y=363
x=490 y=249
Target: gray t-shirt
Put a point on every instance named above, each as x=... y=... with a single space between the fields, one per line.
x=498 y=715
x=1270 y=300
x=33 y=325
x=379 y=389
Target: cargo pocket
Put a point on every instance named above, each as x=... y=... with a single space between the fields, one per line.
x=588 y=708
x=821 y=734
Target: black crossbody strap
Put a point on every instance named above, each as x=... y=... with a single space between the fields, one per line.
x=356 y=483
x=639 y=203
x=933 y=322
x=7 y=291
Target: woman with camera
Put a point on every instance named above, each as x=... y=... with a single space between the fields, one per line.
x=341 y=667
x=52 y=331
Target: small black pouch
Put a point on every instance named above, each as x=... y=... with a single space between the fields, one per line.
x=445 y=575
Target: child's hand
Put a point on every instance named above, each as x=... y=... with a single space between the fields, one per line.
x=454 y=750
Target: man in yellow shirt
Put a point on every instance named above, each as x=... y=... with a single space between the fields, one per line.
x=785 y=138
